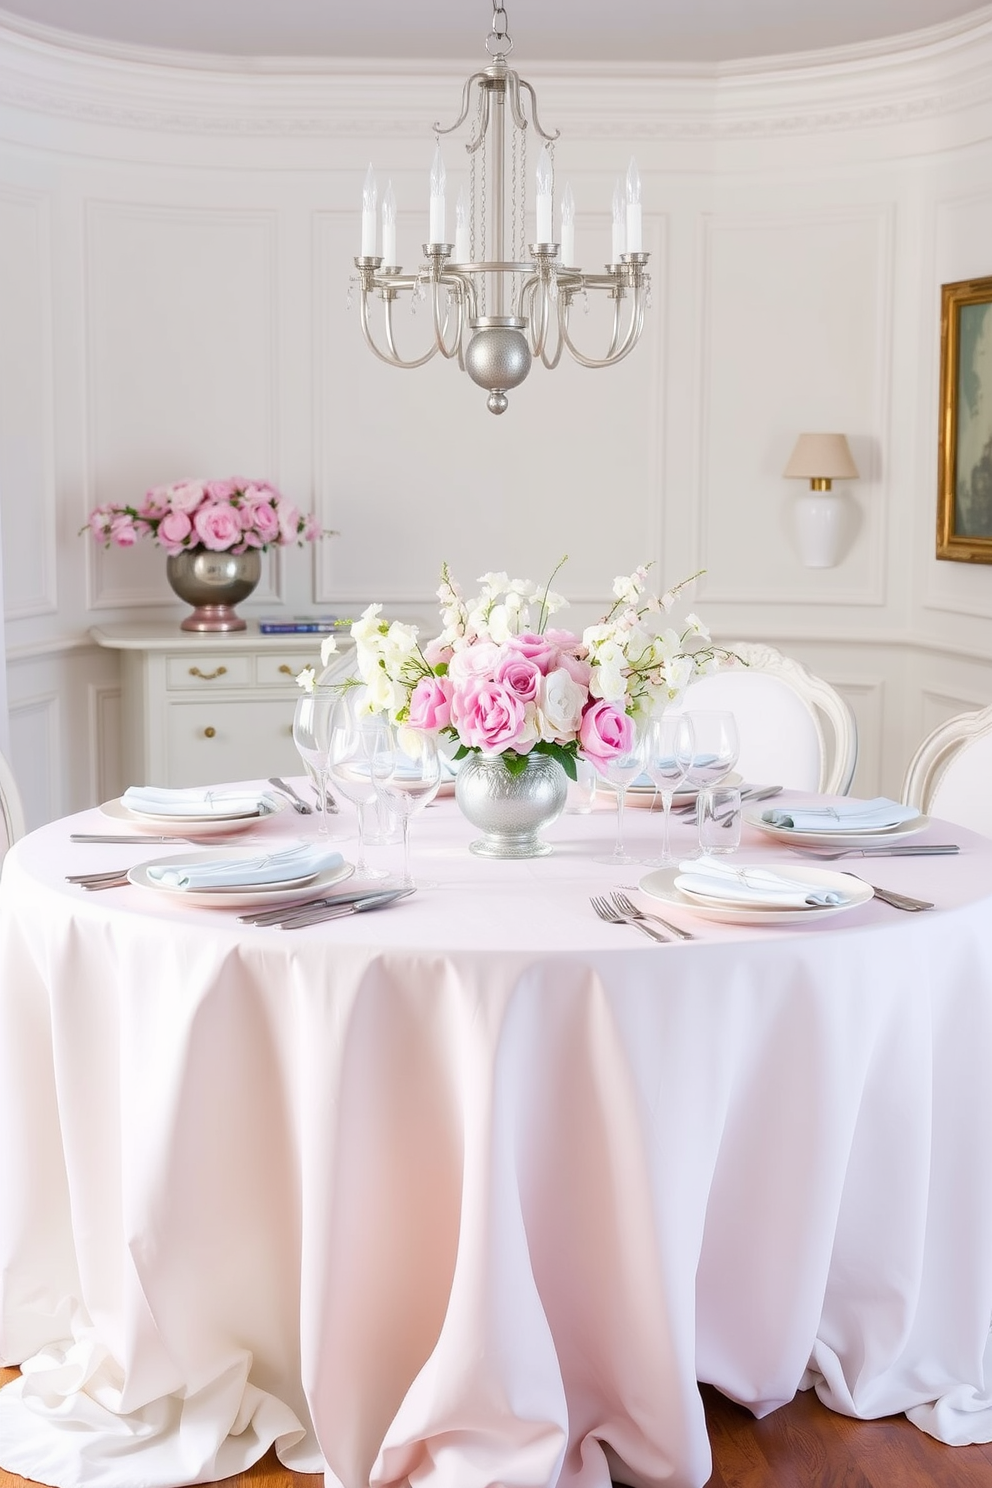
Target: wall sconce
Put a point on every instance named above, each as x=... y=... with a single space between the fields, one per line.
x=820 y=511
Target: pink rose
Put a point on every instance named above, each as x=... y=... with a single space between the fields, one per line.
x=262 y=518
x=430 y=704
x=567 y=647
x=487 y=715
x=217 y=526
x=123 y=531
x=605 y=732
x=156 y=502
x=99 y=522
x=221 y=490
x=520 y=675
x=174 y=528
x=185 y=495
x=289 y=521
x=480 y=660
x=312 y=528
x=436 y=653
x=539 y=649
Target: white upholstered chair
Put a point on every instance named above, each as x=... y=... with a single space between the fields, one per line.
x=11 y=810
x=795 y=729
x=950 y=775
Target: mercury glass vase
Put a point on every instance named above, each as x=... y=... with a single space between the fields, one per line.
x=510 y=810
x=214 y=583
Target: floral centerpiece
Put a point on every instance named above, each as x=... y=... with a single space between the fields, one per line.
x=499 y=683
x=221 y=516
x=213 y=532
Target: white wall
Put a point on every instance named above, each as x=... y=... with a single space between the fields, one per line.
x=175 y=248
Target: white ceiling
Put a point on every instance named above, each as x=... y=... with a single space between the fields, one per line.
x=703 y=31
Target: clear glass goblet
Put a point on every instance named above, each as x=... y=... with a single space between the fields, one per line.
x=312 y=737
x=406 y=769
x=354 y=738
x=716 y=746
x=621 y=771
x=668 y=755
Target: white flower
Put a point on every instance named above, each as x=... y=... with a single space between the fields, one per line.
x=328 y=646
x=368 y=623
x=560 y=705
x=625 y=589
x=306 y=678
x=694 y=626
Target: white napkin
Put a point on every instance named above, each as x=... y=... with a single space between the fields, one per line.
x=153 y=800
x=293 y=863
x=844 y=816
x=758 y=886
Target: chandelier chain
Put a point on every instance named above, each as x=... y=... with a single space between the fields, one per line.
x=483 y=230
x=499 y=33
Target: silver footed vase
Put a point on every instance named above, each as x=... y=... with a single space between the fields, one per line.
x=510 y=810
x=213 y=583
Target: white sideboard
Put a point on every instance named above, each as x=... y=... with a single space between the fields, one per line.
x=201 y=709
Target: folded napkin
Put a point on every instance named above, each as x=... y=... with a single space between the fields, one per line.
x=758 y=886
x=844 y=816
x=293 y=863
x=153 y=800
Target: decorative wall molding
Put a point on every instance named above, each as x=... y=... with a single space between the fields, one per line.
x=35 y=740
x=944 y=71
x=33 y=365
x=104 y=727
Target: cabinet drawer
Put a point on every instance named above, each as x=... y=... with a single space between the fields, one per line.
x=281 y=668
x=211 y=670
x=208 y=743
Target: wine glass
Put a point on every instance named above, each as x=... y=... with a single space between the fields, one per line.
x=353 y=740
x=406 y=770
x=312 y=737
x=716 y=746
x=668 y=756
x=621 y=771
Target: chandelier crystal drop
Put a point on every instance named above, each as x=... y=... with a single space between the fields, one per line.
x=497 y=302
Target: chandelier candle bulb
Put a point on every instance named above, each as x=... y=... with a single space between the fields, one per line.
x=370 y=193
x=633 y=244
x=545 y=178
x=619 y=223
x=438 y=178
x=568 y=227
x=389 y=226
x=462 y=249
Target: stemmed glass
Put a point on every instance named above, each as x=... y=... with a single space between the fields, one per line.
x=716 y=745
x=620 y=772
x=353 y=741
x=406 y=769
x=668 y=756
x=312 y=737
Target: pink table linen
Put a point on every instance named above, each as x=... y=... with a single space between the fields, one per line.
x=474 y=1190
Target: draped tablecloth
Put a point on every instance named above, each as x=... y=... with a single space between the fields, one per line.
x=473 y=1191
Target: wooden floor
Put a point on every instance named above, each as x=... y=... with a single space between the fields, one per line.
x=803 y=1445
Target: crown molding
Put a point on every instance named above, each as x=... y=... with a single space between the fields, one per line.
x=926 y=75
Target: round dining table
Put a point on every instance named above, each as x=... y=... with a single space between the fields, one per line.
x=476 y=1189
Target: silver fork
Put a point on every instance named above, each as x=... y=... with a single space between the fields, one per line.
x=612 y=916
x=628 y=907
x=116 y=878
x=897 y=901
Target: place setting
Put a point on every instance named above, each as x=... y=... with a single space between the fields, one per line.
x=199 y=811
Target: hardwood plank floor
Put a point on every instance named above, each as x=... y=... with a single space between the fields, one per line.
x=803 y=1445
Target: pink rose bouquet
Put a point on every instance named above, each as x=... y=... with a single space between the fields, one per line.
x=499 y=681
x=222 y=516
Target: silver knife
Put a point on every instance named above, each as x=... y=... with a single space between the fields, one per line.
x=317 y=916
x=330 y=901
x=930 y=850
x=119 y=837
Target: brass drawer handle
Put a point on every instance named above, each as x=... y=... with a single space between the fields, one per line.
x=288 y=670
x=207 y=676
x=208 y=733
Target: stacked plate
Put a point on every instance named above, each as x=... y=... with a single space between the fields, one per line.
x=644 y=793
x=218 y=878
x=756 y=894
x=850 y=823
x=193 y=813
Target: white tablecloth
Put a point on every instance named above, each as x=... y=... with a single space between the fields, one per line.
x=473 y=1191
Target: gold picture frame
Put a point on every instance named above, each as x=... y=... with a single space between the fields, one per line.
x=964 y=473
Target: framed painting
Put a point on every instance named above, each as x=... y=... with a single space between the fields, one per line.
x=964 y=494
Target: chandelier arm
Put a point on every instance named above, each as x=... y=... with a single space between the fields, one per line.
x=539 y=300
x=441 y=328
x=551 y=362
x=477 y=77
x=613 y=356
x=513 y=94
x=533 y=111
x=391 y=357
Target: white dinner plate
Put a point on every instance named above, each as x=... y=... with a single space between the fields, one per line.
x=661 y=885
x=647 y=796
x=187 y=826
x=230 y=896
x=877 y=837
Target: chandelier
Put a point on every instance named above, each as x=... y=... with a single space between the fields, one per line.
x=498 y=303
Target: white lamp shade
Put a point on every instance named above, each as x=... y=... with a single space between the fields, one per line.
x=822 y=457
